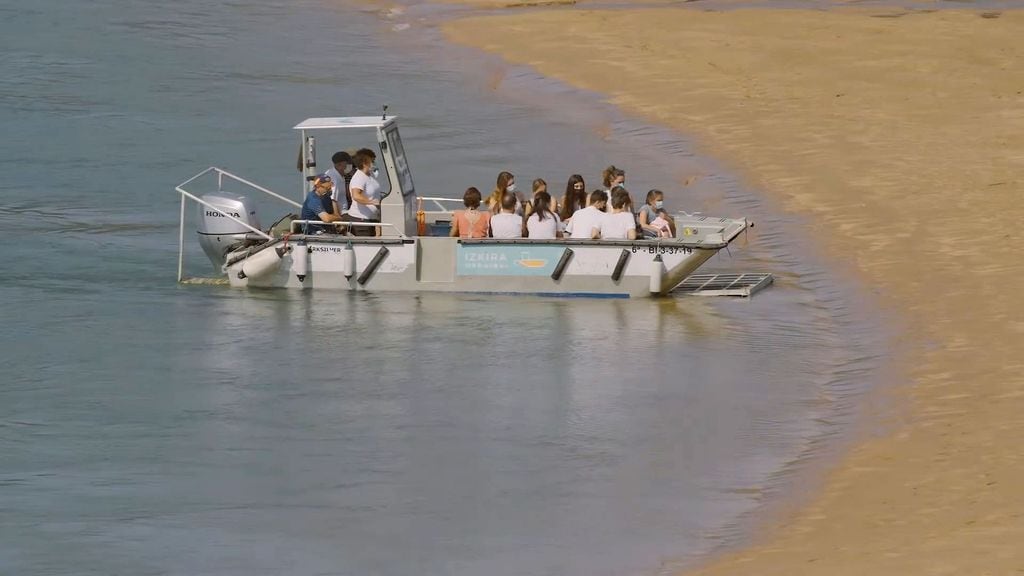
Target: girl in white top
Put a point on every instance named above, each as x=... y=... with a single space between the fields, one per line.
x=620 y=224
x=543 y=223
x=366 y=193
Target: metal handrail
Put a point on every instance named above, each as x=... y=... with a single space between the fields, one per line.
x=343 y=223
x=186 y=195
x=220 y=184
x=437 y=200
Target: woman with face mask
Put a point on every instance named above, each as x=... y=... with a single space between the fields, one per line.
x=506 y=183
x=575 y=197
x=366 y=194
x=649 y=212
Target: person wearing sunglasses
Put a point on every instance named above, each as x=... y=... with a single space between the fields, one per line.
x=318 y=205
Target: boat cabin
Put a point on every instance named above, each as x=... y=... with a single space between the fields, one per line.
x=398 y=205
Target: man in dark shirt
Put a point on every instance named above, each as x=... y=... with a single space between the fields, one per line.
x=341 y=174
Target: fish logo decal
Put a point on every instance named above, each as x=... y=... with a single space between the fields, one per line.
x=532 y=262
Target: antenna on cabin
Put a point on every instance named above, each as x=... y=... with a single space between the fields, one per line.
x=384 y=115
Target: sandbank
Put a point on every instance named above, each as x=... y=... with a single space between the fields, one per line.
x=900 y=135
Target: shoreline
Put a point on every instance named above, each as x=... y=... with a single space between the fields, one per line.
x=801 y=270
x=868 y=514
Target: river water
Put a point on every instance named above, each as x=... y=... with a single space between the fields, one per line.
x=153 y=428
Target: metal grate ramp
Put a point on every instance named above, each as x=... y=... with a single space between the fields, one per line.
x=725 y=284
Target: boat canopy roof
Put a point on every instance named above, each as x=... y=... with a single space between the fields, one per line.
x=345 y=122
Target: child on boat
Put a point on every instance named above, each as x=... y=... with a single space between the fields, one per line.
x=661 y=223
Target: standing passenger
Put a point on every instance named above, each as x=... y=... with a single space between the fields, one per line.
x=366 y=194
x=471 y=222
x=341 y=174
x=507 y=224
x=543 y=223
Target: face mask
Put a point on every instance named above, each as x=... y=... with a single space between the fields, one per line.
x=349 y=169
x=658 y=204
x=510 y=188
x=375 y=172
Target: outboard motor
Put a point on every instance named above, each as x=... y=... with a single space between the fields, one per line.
x=219 y=234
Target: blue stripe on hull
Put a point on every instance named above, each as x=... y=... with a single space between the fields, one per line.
x=547 y=294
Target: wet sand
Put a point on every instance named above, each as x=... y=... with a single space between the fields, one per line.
x=901 y=137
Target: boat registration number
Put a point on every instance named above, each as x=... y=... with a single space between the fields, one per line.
x=654 y=249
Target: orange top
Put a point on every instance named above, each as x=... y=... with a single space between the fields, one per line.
x=472 y=223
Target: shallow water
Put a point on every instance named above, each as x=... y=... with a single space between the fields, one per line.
x=151 y=428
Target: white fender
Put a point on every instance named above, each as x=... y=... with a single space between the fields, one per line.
x=261 y=263
x=348 y=261
x=657 y=274
x=300 y=261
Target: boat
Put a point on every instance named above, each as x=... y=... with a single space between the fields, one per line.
x=412 y=251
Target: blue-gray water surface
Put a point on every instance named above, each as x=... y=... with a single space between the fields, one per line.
x=148 y=427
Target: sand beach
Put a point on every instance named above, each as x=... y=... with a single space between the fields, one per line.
x=899 y=134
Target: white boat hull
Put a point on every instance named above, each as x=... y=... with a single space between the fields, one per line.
x=590 y=268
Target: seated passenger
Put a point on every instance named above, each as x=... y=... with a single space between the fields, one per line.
x=471 y=222
x=661 y=223
x=507 y=224
x=539 y=185
x=506 y=183
x=613 y=178
x=586 y=222
x=318 y=205
x=543 y=223
x=619 y=224
x=649 y=212
x=575 y=197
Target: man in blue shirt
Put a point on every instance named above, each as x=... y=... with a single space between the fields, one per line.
x=318 y=205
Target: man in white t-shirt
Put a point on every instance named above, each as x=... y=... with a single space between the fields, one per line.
x=507 y=224
x=619 y=224
x=586 y=222
x=366 y=194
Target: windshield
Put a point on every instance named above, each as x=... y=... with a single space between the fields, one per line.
x=401 y=165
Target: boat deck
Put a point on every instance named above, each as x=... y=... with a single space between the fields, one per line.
x=744 y=285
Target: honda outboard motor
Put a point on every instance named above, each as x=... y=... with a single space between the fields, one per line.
x=219 y=234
